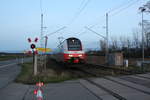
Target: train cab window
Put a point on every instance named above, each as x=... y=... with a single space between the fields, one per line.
x=74 y=44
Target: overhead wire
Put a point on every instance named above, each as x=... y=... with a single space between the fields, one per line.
x=129 y=3
x=113 y=10
x=107 y=12
x=119 y=6
x=83 y=1
x=83 y=6
x=124 y=8
x=41 y=6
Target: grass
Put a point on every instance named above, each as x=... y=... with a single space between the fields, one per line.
x=50 y=76
x=9 y=57
x=135 y=69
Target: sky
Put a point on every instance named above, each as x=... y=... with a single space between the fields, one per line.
x=20 y=19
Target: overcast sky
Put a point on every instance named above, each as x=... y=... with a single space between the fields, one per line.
x=20 y=19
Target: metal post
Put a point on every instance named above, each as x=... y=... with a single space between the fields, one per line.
x=33 y=59
x=41 y=29
x=35 y=64
x=142 y=40
x=107 y=50
x=143 y=9
x=45 y=52
x=42 y=57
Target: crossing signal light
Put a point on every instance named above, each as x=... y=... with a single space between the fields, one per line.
x=36 y=39
x=29 y=40
x=33 y=46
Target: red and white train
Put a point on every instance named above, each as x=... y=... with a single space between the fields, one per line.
x=70 y=51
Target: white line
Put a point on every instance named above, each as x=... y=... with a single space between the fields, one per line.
x=7 y=65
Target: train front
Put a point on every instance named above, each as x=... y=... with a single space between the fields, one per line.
x=74 y=52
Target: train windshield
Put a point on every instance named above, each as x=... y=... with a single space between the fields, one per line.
x=74 y=44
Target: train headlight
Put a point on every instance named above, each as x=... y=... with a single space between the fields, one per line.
x=80 y=55
x=70 y=55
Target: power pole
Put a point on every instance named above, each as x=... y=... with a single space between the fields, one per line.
x=41 y=30
x=42 y=57
x=142 y=40
x=41 y=36
x=107 y=44
x=142 y=9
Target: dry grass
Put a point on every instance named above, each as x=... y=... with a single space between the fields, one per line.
x=51 y=75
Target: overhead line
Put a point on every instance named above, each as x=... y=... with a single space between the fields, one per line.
x=112 y=10
x=119 y=7
x=81 y=4
x=55 y=31
x=41 y=6
x=116 y=8
x=80 y=10
x=125 y=7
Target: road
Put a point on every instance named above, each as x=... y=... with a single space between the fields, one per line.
x=106 y=88
x=8 y=72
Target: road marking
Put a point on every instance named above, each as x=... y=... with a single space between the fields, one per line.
x=7 y=65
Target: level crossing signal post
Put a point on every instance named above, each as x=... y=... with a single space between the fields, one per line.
x=46 y=39
x=34 y=54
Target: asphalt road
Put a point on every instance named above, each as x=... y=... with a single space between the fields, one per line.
x=9 y=70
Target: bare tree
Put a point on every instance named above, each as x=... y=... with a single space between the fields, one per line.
x=122 y=42
x=136 y=38
x=103 y=45
x=147 y=33
x=114 y=46
x=147 y=6
x=129 y=43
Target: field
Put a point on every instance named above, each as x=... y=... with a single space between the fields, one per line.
x=8 y=57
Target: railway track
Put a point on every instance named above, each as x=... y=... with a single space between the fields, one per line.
x=109 y=91
x=100 y=70
x=93 y=67
x=123 y=71
x=90 y=75
x=115 y=95
x=97 y=70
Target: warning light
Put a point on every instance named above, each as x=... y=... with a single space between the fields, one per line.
x=29 y=52
x=35 y=92
x=40 y=84
x=29 y=40
x=36 y=39
x=33 y=46
x=36 y=52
